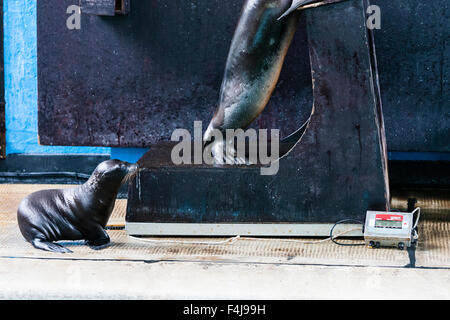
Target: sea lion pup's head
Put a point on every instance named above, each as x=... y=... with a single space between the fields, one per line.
x=110 y=174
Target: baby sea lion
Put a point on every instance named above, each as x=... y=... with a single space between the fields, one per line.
x=254 y=62
x=75 y=213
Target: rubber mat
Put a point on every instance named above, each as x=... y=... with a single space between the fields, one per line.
x=434 y=244
x=433 y=249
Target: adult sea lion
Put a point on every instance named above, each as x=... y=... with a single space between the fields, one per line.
x=74 y=213
x=254 y=62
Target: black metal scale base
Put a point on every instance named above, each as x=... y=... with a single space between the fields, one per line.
x=338 y=169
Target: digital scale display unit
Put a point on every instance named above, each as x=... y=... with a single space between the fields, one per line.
x=390 y=229
x=394 y=221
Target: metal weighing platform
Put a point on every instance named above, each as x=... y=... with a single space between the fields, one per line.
x=337 y=168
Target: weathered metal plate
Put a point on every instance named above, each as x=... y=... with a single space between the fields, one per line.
x=131 y=80
x=337 y=171
x=414 y=65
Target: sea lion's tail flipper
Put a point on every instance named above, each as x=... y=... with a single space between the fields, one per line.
x=295 y=5
x=49 y=246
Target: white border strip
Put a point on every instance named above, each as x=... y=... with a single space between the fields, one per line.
x=242 y=229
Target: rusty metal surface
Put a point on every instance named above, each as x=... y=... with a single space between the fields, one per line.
x=337 y=171
x=130 y=80
x=414 y=65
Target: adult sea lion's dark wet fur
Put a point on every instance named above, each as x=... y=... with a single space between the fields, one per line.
x=254 y=62
x=75 y=213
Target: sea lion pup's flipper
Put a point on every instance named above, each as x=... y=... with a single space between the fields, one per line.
x=254 y=62
x=49 y=246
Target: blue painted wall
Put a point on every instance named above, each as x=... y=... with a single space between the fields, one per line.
x=20 y=47
x=20 y=56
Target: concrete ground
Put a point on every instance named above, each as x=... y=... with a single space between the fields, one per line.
x=68 y=279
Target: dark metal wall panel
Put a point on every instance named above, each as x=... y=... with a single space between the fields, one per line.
x=414 y=65
x=131 y=80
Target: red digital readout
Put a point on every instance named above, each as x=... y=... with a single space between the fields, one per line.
x=389 y=217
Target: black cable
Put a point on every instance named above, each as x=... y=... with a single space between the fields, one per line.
x=345 y=244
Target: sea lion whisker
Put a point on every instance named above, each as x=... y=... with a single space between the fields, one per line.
x=129 y=176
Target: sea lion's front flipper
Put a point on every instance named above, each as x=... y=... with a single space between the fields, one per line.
x=295 y=5
x=49 y=246
x=95 y=245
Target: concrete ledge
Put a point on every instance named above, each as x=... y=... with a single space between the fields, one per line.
x=59 y=279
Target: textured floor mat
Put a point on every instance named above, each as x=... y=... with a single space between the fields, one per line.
x=433 y=250
x=434 y=244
